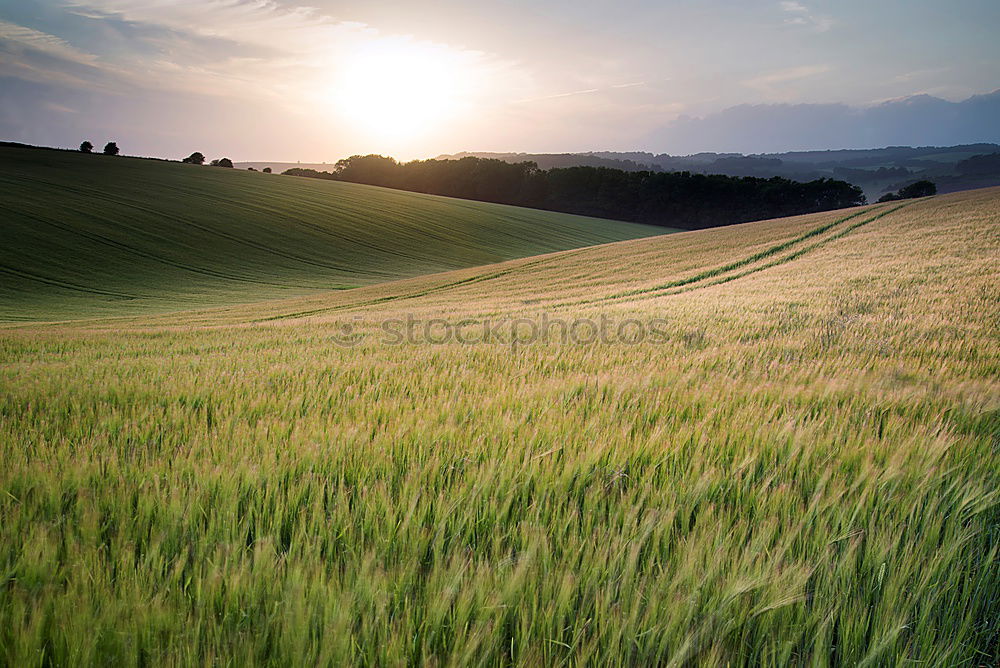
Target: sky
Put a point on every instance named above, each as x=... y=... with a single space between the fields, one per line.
x=316 y=80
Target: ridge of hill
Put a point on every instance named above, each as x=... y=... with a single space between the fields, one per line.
x=89 y=235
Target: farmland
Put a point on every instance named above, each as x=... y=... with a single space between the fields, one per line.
x=88 y=235
x=789 y=455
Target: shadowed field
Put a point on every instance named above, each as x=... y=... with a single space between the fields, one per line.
x=90 y=235
x=783 y=448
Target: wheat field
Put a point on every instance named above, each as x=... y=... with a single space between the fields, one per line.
x=97 y=236
x=771 y=444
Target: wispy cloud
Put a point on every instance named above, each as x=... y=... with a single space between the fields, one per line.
x=771 y=82
x=59 y=108
x=556 y=96
x=23 y=37
x=250 y=49
x=585 y=91
x=163 y=60
x=791 y=6
x=801 y=15
x=257 y=22
x=907 y=77
x=33 y=55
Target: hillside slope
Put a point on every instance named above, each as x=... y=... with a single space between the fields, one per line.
x=91 y=235
x=620 y=276
x=781 y=451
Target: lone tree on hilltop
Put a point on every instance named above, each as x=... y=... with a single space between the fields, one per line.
x=86 y=147
x=111 y=148
x=222 y=162
x=195 y=158
x=266 y=170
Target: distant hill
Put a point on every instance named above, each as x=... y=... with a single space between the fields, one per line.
x=766 y=128
x=88 y=235
x=560 y=160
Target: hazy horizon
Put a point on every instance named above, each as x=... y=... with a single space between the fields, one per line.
x=278 y=80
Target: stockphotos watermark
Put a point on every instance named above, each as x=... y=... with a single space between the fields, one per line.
x=508 y=331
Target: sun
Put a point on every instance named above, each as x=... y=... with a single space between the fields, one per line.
x=400 y=92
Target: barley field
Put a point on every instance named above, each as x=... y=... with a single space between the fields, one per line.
x=770 y=444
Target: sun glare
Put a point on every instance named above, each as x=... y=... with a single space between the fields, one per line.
x=400 y=92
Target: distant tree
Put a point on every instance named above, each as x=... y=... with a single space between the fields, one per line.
x=251 y=169
x=376 y=170
x=674 y=199
x=267 y=170
x=310 y=173
x=224 y=162
x=195 y=158
x=111 y=148
x=919 y=189
x=987 y=164
x=86 y=147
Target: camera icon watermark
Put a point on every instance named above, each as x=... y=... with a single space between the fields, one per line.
x=348 y=334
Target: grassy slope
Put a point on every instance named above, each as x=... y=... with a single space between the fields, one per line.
x=90 y=235
x=804 y=471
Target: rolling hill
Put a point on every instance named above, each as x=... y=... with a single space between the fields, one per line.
x=89 y=235
x=767 y=444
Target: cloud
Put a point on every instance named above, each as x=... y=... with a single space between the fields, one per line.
x=32 y=55
x=907 y=77
x=586 y=91
x=59 y=108
x=157 y=59
x=772 y=81
x=286 y=59
x=254 y=49
x=803 y=16
x=789 y=6
x=13 y=34
x=253 y=22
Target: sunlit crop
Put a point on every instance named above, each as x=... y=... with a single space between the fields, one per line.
x=805 y=469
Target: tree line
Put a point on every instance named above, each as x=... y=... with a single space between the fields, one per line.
x=919 y=189
x=111 y=148
x=196 y=158
x=674 y=199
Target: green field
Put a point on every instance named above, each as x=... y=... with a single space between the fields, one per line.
x=91 y=235
x=783 y=450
